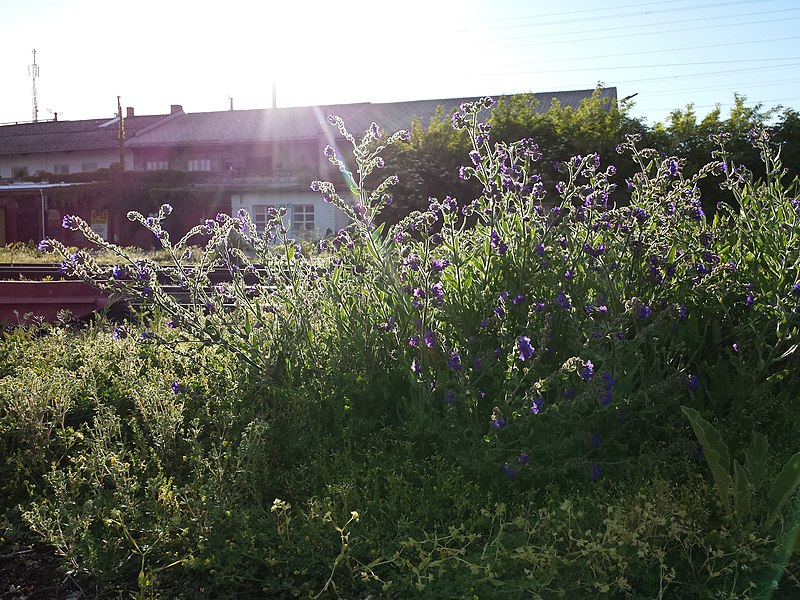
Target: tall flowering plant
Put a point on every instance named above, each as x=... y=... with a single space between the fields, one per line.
x=525 y=326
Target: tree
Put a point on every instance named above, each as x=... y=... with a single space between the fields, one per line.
x=428 y=166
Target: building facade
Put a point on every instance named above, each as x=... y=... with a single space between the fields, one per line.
x=202 y=163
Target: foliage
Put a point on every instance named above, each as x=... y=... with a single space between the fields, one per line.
x=498 y=396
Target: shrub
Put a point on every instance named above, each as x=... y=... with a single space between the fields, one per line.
x=537 y=345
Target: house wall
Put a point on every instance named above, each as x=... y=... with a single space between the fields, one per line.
x=326 y=218
x=78 y=161
x=268 y=159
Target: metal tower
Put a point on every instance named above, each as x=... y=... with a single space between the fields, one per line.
x=33 y=71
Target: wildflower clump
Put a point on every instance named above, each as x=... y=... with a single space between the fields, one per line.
x=535 y=339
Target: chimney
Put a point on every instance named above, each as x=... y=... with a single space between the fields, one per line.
x=175 y=108
x=128 y=112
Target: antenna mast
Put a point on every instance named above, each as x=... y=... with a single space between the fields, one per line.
x=33 y=71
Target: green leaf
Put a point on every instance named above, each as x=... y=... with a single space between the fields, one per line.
x=672 y=252
x=756 y=457
x=716 y=453
x=783 y=487
x=742 y=496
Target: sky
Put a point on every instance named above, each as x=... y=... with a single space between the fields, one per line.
x=206 y=56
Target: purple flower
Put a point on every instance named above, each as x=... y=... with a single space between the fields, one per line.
x=118 y=272
x=68 y=222
x=696 y=212
x=415 y=367
x=413 y=340
x=439 y=264
x=735 y=347
x=796 y=289
x=693 y=382
x=119 y=333
x=499 y=423
x=524 y=348
x=455 y=362
x=495 y=242
x=563 y=301
x=608 y=389
x=476 y=363
x=587 y=373
x=177 y=387
x=45 y=246
x=595 y=440
x=749 y=299
x=594 y=472
x=643 y=312
x=673 y=167
x=524 y=459
x=536 y=406
x=450 y=398
x=508 y=471
x=640 y=214
x=429 y=338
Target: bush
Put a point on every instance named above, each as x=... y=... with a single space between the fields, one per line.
x=414 y=410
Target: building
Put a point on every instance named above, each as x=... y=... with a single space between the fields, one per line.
x=201 y=163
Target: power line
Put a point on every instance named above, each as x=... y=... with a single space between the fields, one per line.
x=583 y=11
x=749 y=85
x=650 y=66
x=706 y=74
x=630 y=35
x=660 y=51
x=618 y=16
x=721 y=104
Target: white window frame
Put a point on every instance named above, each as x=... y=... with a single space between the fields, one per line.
x=303 y=217
x=156 y=165
x=198 y=164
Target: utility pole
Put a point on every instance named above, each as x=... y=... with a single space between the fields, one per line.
x=121 y=134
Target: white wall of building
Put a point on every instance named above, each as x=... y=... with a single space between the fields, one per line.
x=307 y=215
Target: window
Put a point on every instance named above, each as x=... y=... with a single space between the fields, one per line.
x=198 y=164
x=89 y=167
x=261 y=214
x=61 y=169
x=303 y=217
x=17 y=172
x=156 y=165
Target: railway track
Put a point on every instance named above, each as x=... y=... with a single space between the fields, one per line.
x=42 y=291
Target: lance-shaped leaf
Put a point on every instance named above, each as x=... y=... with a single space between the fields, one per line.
x=716 y=453
x=783 y=487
